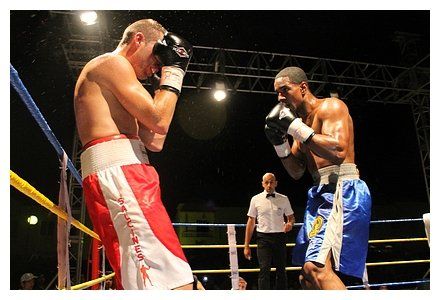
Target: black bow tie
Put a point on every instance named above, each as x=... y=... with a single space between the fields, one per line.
x=270 y=195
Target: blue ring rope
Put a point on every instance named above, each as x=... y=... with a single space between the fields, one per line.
x=35 y=112
x=389 y=284
x=296 y=224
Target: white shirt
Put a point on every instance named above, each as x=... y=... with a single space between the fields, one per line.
x=270 y=211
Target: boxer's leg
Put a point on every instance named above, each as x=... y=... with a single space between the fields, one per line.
x=322 y=277
x=185 y=287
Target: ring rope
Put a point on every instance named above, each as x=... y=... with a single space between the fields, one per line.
x=27 y=189
x=401 y=262
x=90 y=283
x=389 y=284
x=293 y=244
x=295 y=225
x=373 y=264
x=397 y=240
x=35 y=112
x=396 y=221
x=87 y=284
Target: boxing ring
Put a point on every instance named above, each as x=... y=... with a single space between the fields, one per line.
x=230 y=229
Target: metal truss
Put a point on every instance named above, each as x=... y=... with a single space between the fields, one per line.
x=420 y=109
x=78 y=210
x=254 y=71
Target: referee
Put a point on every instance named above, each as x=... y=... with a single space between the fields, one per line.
x=268 y=209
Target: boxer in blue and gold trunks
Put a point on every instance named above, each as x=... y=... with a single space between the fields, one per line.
x=334 y=236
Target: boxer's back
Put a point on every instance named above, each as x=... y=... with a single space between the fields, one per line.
x=98 y=112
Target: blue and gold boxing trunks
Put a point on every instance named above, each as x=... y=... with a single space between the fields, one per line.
x=336 y=219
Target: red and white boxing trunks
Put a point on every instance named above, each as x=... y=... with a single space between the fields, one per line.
x=123 y=200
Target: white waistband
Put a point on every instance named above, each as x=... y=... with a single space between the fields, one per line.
x=332 y=174
x=112 y=153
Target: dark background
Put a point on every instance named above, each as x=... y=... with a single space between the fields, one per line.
x=225 y=169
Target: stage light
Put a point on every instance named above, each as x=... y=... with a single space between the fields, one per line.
x=32 y=220
x=219 y=91
x=89 y=17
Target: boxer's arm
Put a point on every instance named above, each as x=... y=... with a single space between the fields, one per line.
x=152 y=141
x=295 y=162
x=332 y=143
x=118 y=76
x=289 y=155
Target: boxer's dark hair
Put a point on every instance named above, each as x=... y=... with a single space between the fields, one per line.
x=295 y=74
x=150 y=28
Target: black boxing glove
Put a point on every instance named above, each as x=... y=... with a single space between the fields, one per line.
x=282 y=118
x=154 y=81
x=279 y=141
x=174 y=53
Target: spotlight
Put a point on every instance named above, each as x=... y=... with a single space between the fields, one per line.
x=220 y=91
x=32 y=220
x=89 y=17
x=205 y=279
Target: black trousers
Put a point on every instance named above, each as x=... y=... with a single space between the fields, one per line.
x=271 y=247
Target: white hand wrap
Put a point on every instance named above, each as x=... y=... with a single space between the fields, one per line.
x=173 y=77
x=299 y=131
x=283 y=150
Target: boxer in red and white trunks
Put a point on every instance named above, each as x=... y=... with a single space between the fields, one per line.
x=117 y=120
x=123 y=200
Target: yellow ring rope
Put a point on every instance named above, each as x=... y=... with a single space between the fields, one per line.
x=373 y=264
x=27 y=189
x=293 y=244
x=90 y=283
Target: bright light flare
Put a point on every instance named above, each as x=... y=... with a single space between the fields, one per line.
x=32 y=220
x=219 y=92
x=89 y=17
x=219 y=95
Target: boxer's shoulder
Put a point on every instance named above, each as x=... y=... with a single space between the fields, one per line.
x=108 y=70
x=331 y=107
x=109 y=62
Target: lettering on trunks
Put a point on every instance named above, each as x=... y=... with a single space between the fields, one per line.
x=135 y=239
x=316 y=226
